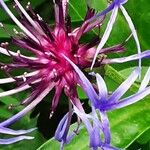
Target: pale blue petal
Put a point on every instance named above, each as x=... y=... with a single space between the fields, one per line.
x=15 y=139
x=145 y=54
x=129 y=100
x=103 y=93
x=61 y=128
x=131 y=25
x=106 y=33
x=105 y=126
x=122 y=89
x=13 y=132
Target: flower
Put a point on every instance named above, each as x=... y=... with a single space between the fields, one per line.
x=19 y=133
x=114 y=6
x=102 y=102
x=48 y=69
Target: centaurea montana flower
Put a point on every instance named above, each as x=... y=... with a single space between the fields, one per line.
x=101 y=103
x=48 y=68
x=19 y=135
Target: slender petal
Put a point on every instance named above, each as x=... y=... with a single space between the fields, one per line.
x=102 y=88
x=61 y=128
x=13 y=91
x=131 y=25
x=145 y=54
x=109 y=147
x=105 y=126
x=122 y=89
x=65 y=5
x=5 y=52
x=115 y=3
x=5 y=130
x=15 y=139
x=10 y=80
x=129 y=100
x=93 y=130
x=106 y=33
x=104 y=12
x=59 y=12
x=55 y=101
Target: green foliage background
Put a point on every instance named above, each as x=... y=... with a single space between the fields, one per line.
x=130 y=126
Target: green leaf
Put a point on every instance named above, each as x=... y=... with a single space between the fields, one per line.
x=81 y=93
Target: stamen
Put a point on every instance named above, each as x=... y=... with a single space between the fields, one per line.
x=101 y=57
x=66 y=87
x=20 y=34
x=18 y=52
x=11 y=106
x=24 y=76
x=50 y=54
x=4 y=67
x=77 y=56
x=28 y=5
x=55 y=73
x=4 y=45
x=51 y=114
x=39 y=17
x=16 y=32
